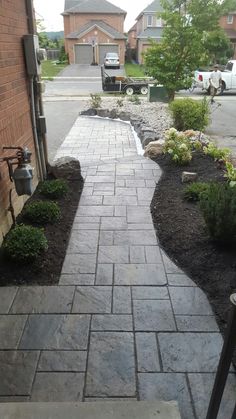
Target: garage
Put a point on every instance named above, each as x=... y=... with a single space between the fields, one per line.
x=103 y=48
x=83 y=54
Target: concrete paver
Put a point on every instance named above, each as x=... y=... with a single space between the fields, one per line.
x=124 y=322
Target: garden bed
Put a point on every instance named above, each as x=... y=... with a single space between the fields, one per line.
x=182 y=234
x=47 y=268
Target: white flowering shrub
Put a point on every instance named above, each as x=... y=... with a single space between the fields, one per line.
x=178 y=145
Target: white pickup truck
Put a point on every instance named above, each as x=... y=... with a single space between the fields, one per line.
x=228 y=77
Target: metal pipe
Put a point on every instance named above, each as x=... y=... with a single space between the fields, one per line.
x=34 y=127
x=30 y=14
x=224 y=364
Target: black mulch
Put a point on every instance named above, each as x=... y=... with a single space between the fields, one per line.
x=46 y=270
x=182 y=234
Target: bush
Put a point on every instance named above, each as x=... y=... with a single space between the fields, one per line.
x=216 y=153
x=192 y=192
x=42 y=212
x=95 y=100
x=178 y=146
x=190 y=114
x=53 y=189
x=24 y=243
x=218 y=206
x=230 y=174
x=135 y=99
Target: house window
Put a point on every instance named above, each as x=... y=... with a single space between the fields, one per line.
x=230 y=19
x=158 y=23
x=149 y=20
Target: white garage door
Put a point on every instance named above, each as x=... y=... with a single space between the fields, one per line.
x=83 y=54
x=103 y=48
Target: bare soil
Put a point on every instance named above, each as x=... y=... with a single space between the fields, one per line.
x=47 y=268
x=182 y=234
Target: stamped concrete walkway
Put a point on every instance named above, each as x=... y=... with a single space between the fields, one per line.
x=124 y=322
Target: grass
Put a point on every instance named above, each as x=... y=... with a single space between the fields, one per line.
x=134 y=70
x=50 y=69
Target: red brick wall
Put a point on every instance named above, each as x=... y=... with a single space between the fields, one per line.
x=225 y=25
x=15 y=121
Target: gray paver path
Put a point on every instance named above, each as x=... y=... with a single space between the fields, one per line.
x=124 y=322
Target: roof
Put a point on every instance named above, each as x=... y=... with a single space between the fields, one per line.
x=151 y=33
x=91 y=6
x=134 y=28
x=99 y=24
x=153 y=7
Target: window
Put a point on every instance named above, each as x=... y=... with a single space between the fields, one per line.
x=158 y=23
x=149 y=20
x=230 y=19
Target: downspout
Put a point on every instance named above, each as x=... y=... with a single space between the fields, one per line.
x=33 y=100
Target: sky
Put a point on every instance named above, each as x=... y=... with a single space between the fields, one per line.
x=50 y=11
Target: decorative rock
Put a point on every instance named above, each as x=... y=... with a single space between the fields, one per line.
x=124 y=116
x=148 y=137
x=103 y=113
x=154 y=148
x=189 y=177
x=67 y=168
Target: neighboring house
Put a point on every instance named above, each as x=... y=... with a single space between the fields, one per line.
x=92 y=28
x=132 y=37
x=228 y=23
x=149 y=26
x=16 y=128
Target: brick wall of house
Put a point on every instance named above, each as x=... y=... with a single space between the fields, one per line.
x=15 y=120
x=132 y=38
x=225 y=25
x=76 y=21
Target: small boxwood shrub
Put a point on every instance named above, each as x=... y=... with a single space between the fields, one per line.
x=42 y=212
x=192 y=192
x=190 y=114
x=24 y=243
x=53 y=189
x=218 y=206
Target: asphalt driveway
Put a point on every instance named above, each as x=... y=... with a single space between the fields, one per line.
x=88 y=71
x=79 y=80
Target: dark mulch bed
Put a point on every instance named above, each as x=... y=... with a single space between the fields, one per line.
x=46 y=270
x=182 y=234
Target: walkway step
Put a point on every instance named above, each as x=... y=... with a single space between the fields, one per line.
x=91 y=410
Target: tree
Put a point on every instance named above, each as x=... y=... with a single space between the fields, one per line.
x=218 y=46
x=182 y=49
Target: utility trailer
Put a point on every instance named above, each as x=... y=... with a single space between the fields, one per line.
x=123 y=84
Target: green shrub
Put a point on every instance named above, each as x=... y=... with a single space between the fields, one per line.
x=53 y=189
x=135 y=99
x=178 y=146
x=95 y=100
x=218 y=206
x=190 y=114
x=42 y=212
x=120 y=103
x=192 y=192
x=230 y=174
x=24 y=243
x=216 y=153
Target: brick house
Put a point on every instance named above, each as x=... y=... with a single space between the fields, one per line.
x=16 y=128
x=149 y=26
x=92 y=28
x=228 y=23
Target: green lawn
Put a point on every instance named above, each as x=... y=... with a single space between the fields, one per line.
x=50 y=69
x=134 y=70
